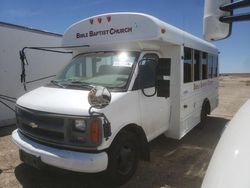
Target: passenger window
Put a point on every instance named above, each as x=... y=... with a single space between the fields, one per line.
x=187 y=65
x=75 y=70
x=215 y=66
x=210 y=66
x=149 y=69
x=204 y=65
x=196 y=65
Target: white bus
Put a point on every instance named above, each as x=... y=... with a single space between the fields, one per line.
x=132 y=78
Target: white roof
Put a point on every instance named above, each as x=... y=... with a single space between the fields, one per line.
x=126 y=27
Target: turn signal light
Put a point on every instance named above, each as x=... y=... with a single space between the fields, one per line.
x=95 y=131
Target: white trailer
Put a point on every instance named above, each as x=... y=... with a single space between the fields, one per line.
x=13 y=39
x=161 y=79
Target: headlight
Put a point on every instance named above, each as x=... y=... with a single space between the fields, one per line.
x=80 y=125
x=87 y=132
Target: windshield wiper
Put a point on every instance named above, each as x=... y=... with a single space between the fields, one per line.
x=57 y=83
x=80 y=84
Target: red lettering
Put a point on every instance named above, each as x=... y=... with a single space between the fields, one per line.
x=111 y=31
x=129 y=29
x=91 y=33
x=197 y=86
x=77 y=35
x=81 y=35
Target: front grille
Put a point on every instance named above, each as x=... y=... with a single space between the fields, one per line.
x=53 y=129
x=43 y=134
x=42 y=126
x=41 y=117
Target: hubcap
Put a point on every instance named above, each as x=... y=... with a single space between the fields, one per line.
x=125 y=159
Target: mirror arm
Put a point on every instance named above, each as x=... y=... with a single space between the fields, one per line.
x=106 y=122
x=232 y=6
x=235 y=18
x=235 y=5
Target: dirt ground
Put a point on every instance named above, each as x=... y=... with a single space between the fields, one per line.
x=174 y=164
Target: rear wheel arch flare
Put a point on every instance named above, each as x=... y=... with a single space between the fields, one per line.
x=206 y=104
x=205 y=110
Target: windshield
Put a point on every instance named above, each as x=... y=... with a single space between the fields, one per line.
x=108 y=69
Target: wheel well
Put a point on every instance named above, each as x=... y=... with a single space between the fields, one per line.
x=140 y=135
x=206 y=104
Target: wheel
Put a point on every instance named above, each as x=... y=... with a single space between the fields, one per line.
x=204 y=113
x=123 y=159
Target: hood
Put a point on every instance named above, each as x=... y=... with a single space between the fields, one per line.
x=56 y=100
x=63 y=101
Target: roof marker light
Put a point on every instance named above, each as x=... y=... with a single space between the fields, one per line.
x=108 y=18
x=99 y=20
x=163 y=31
x=91 y=21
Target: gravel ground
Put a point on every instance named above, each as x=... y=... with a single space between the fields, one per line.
x=174 y=164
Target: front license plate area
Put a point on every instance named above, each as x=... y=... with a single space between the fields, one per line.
x=30 y=159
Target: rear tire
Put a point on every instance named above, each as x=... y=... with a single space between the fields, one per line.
x=203 y=116
x=123 y=159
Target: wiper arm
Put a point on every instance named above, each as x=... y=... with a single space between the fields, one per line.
x=80 y=84
x=57 y=83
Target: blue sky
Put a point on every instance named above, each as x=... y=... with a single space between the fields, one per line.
x=56 y=16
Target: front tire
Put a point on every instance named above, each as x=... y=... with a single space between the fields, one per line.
x=123 y=159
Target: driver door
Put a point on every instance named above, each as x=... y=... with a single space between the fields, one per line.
x=155 y=111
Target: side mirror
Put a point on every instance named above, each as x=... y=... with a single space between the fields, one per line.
x=163 y=71
x=213 y=28
x=99 y=97
x=155 y=74
x=147 y=75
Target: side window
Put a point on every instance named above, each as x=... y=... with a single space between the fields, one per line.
x=75 y=70
x=89 y=68
x=204 y=65
x=70 y=72
x=196 y=65
x=215 y=66
x=210 y=66
x=102 y=62
x=187 y=65
x=149 y=69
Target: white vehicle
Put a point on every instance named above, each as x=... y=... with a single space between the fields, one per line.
x=229 y=166
x=13 y=38
x=161 y=79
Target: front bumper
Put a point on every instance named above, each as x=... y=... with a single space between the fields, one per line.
x=65 y=159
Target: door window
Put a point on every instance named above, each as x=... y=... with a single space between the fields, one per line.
x=149 y=63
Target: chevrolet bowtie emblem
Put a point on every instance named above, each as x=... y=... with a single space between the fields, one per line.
x=33 y=125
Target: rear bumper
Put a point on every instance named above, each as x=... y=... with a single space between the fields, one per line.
x=65 y=159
